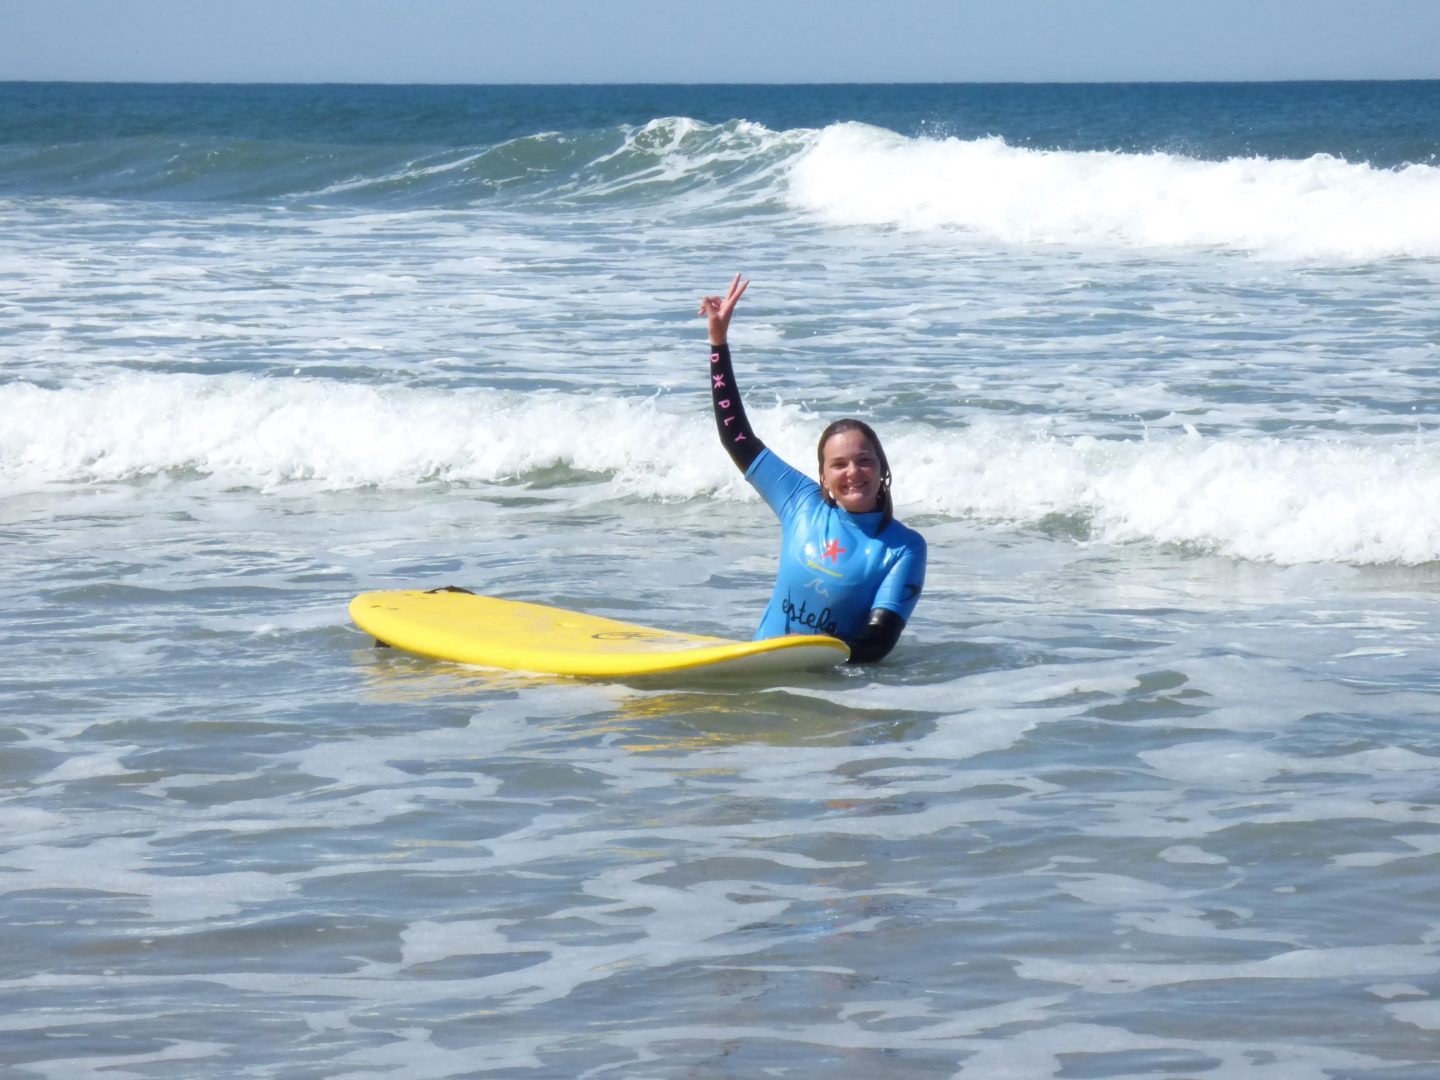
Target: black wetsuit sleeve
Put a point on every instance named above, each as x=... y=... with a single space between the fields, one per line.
x=878 y=638
x=739 y=441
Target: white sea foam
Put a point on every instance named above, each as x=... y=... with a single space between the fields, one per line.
x=1286 y=501
x=1321 y=207
x=1259 y=498
x=266 y=432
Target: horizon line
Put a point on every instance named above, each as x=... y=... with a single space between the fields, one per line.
x=711 y=83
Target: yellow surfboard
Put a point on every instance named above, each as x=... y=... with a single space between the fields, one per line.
x=511 y=634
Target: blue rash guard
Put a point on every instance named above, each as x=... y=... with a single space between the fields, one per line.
x=853 y=576
x=835 y=567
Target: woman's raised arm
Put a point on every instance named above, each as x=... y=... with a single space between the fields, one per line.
x=739 y=441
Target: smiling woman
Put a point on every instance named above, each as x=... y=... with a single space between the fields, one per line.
x=853 y=471
x=847 y=567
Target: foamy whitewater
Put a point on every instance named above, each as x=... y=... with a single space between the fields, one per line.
x=1147 y=790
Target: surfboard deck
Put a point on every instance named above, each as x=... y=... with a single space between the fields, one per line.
x=519 y=636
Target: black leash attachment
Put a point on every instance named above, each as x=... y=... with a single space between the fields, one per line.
x=443 y=588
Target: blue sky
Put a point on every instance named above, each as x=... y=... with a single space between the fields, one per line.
x=490 y=41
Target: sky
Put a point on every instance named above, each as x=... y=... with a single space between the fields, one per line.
x=629 y=41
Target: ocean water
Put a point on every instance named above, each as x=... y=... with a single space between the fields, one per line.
x=1149 y=788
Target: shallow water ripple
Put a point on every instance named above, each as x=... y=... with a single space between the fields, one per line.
x=929 y=880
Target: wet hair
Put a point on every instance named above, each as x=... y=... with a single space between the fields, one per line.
x=882 y=500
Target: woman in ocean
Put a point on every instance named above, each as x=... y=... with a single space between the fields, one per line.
x=847 y=567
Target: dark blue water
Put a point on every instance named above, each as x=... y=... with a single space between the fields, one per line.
x=1384 y=123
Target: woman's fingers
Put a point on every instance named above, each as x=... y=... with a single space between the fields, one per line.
x=715 y=306
x=737 y=290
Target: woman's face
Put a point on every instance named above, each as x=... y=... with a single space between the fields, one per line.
x=850 y=471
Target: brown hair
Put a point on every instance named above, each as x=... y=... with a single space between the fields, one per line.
x=882 y=500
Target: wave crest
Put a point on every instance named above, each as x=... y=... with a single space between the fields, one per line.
x=1320 y=207
x=1266 y=499
x=661 y=159
x=1260 y=499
